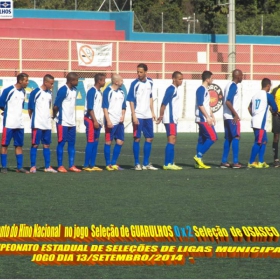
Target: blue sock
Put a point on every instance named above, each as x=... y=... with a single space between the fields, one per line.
x=59 y=153
x=47 y=157
x=71 y=153
x=93 y=153
x=206 y=146
x=107 y=149
x=33 y=155
x=19 y=161
x=116 y=153
x=172 y=154
x=235 y=150
x=255 y=150
x=88 y=152
x=262 y=152
x=168 y=154
x=226 y=151
x=147 y=152
x=136 y=151
x=199 y=147
x=4 y=160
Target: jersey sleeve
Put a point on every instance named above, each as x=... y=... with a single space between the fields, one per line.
x=31 y=101
x=105 y=101
x=152 y=83
x=124 y=103
x=232 y=92
x=3 y=97
x=90 y=99
x=61 y=95
x=131 y=95
x=200 y=96
x=272 y=103
x=167 y=96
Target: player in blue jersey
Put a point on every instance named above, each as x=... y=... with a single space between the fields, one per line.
x=258 y=109
x=231 y=109
x=169 y=115
x=93 y=121
x=114 y=107
x=140 y=98
x=11 y=102
x=39 y=107
x=205 y=119
x=65 y=116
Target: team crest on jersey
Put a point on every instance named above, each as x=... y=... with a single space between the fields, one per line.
x=216 y=97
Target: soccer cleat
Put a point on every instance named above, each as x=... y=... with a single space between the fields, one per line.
x=62 y=169
x=74 y=169
x=88 y=169
x=50 y=170
x=109 y=168
x=225 y=165
x=4 y=170
x=170 y=167
x=237 y=165
x=117 y=167
x=149 y=167
x=263 y=165
x=177 y=167
x=254 y=165
x=200 y=163
x=95 y=168
x=276 y=163
x=33 y=169
x=22 y=170
x=138 y=167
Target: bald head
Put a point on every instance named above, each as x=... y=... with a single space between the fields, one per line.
x=117 y=81
x=72 y=79
x=237 y=76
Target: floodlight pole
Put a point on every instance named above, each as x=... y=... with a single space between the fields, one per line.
x=231 y=37
x=110 y=10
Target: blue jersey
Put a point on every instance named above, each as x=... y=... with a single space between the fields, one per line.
x=140 y=93
x=66 y=103
x=40 y=104
x=114 y=102
x=202 y=99
x=12 y=101
x=171 y=101
x=259 y=106
x=94 y=102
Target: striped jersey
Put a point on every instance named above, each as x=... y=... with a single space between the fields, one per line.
x=140 y=93
x=171 y=101
x=202 y=99
x=40 y=104
x=12 y=101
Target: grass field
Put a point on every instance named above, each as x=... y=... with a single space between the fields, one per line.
x=189 y=197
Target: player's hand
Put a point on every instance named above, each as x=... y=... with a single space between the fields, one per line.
x=236 y=119
x=154 y=117
x=159 y=120
x=109 y=124
x=213 y=120
x=209 y=121
x=96 y=124
x=121 y=119
x=135 y=120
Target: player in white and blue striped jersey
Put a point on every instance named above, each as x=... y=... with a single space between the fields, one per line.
x=169 y=115
x=258 y=109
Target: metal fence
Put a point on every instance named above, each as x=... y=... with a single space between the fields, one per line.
x=58 y=57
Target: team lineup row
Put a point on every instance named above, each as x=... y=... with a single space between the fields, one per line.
x=109 y=108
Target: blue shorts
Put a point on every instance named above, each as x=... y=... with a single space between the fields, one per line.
x=232 y=130
x=145 y=125
x=66 y=133
x=171 y=129
x=16 y=133
x=206 y=132
x=260 y=136
x=116 y=132
x=92 y=133
x=41 y=135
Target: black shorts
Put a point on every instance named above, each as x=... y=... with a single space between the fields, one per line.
x=276 y=124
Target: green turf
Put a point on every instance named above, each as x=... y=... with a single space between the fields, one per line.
x=188 y=197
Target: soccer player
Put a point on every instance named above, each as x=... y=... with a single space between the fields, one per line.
x=232 y=120
x=276 y=126
x=93 y=121
x=205 y=119
x=11 y=102
x=114 y=107
x=169 y=116
x=258 y=109
x=64 y=113
x=142 y=109
x=39 y=106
